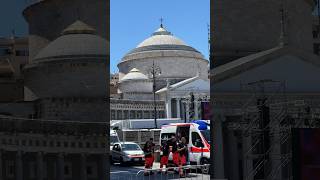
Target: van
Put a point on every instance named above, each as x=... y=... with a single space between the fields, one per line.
x=197 y=134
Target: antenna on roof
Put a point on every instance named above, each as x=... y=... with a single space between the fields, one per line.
x=283 y=40
x=161 y=22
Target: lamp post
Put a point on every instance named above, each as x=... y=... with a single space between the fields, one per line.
x=154 y=71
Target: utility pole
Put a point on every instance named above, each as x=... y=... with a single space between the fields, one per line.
x=155 y=70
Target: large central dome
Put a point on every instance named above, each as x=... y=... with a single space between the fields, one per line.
x=176 y=59
x=161 y=37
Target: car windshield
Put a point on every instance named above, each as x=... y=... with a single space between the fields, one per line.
x=113 y=139
x=206 y=135
x=130 y=147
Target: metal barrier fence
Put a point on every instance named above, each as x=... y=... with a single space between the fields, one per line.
x=191 y=172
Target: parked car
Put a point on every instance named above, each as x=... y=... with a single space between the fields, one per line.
x=127 y=152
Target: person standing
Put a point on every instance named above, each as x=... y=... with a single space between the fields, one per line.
x=183 y=152
x=175 y=153
x=148 y=156
x=165 y=150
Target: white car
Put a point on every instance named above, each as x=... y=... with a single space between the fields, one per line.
x=127 y=152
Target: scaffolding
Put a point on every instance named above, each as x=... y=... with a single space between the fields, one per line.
x=267 y=118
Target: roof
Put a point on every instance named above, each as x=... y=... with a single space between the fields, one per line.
x=162 y=39
x=161 y=36
x=240 y=65
x=77 y=40
x=79 y=27
x=179 y=84
x=134 y=74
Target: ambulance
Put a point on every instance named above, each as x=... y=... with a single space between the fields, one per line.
x=197 y=134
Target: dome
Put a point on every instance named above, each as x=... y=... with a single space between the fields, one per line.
x=162 y=39
x=134 y=74
x=77 y=40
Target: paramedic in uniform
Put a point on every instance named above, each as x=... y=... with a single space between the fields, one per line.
x=149 y=155
x=183 y=151
x=165 y=150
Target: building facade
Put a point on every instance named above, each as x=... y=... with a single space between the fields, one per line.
x=55 y=127
x=263 y=85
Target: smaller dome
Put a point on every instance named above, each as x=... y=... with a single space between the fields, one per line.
x=78 y=39
x=78 y=27
x=134 y=74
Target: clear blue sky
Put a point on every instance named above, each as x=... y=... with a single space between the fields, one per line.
x=132 y=21
x=11 y=18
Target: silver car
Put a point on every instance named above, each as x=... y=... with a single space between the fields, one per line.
x=127 y=152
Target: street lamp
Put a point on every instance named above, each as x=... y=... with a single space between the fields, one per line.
x=154 y=71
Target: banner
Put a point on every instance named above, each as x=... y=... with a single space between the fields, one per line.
x=206 y=111
x=306 y=158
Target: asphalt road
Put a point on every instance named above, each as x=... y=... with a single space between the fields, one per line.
x=130 y=172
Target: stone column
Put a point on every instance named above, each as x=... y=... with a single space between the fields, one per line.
x=60 y=167
x=39 y=165
x=218 y=156
x=168 y=107
x=19 y=166
x=233 y=158
x=187 y=111
x=104 y=171
x=196 y=113
x=178 y=108
x=83 y=167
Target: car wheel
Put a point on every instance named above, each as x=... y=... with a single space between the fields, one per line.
x=205 y=169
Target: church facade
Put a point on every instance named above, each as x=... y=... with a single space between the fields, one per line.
x=173 y=62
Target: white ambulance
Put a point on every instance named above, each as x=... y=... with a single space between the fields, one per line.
x=113 y=138
x=197 y=135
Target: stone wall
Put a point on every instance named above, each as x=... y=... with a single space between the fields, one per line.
x=74 y=109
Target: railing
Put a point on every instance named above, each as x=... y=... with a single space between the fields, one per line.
x=23 y=125
x=195 y=172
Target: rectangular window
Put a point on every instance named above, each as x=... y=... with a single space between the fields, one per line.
x=119 y=115
x=68 y=170
x=10 y=170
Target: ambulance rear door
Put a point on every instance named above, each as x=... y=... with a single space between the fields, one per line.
x=196 y=146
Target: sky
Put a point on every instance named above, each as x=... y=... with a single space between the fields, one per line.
x=132 y=21
x=11 y=18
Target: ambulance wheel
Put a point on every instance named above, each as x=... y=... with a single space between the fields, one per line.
x=206 y=169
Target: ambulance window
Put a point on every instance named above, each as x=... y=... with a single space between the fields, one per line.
x=167 y=136
x=195 y=138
